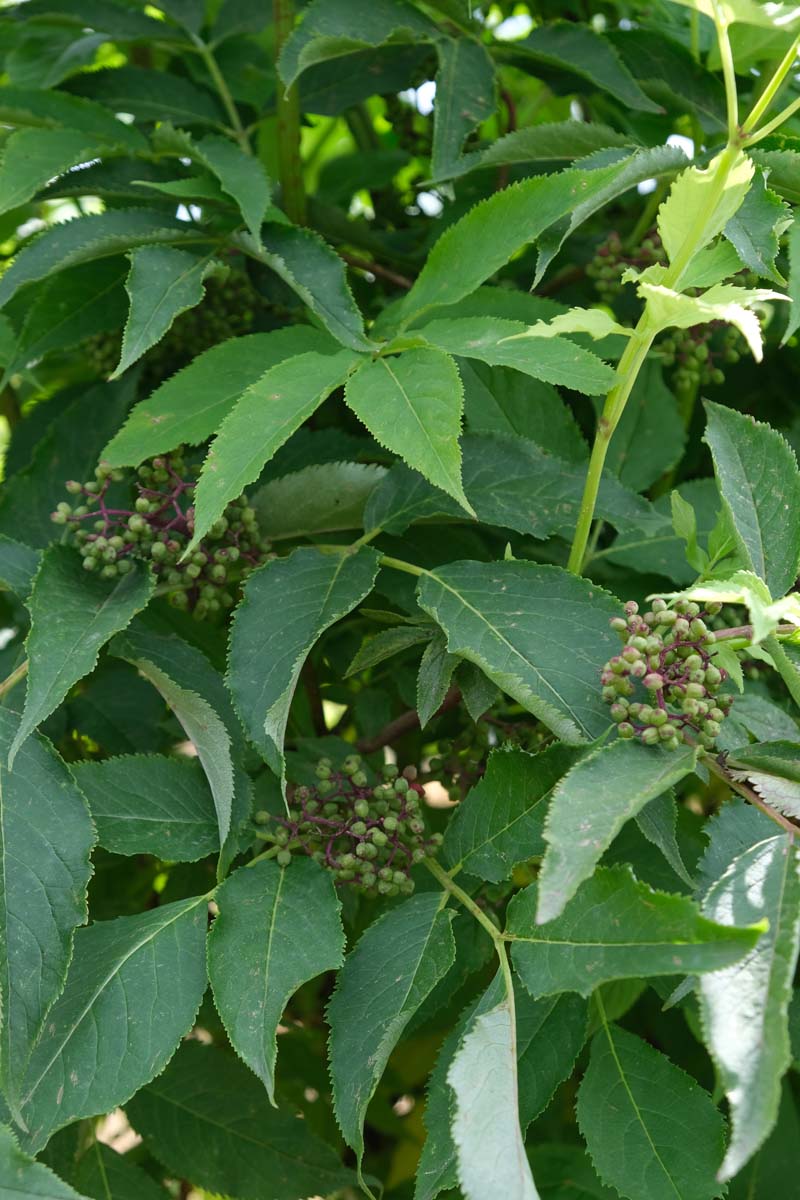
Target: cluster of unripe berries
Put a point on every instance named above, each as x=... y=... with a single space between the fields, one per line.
x=696 y=353
x=667 y=657
x=368 y=836
x=612 y=260
x=118 y=519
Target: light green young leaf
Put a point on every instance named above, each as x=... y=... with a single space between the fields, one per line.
x=748 y=12
x=91 y=1056
x=743 y=587
x=650 y=1129
x=150 y=804
x=759 y=483
x=162 y=283
x=413 y=404
x=266 y=656
x=46 y=839
x=745 y=1007
x=595 y=321
x=208 y=1118
x=489 y=1145
x=724 y=302
x=433 y=678
x=32 y=157
x=393 y=967
x=465 y=96
x=689 y=195
x=241 y=175
x=504 y=343
x=192 y=405
x=684 y=522
x=87 y=238
x=538 y=632
x=618 y=928
x=73 y=615
x=323 y=498
x=266 y=414
x=21 y=1177
x=262 y=947
x=500 y=822
x=590 y=801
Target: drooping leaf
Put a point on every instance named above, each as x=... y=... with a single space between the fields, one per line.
x=241 y=175
x=500 y=822
x=618 y=928
x=722 y=302
x=46 y=838
x=91 y=1056
x=266 y=656
x=433 y=678
x=87 y=238
x=651 y=1130
x=20 y=1176
x=73 y=615
x=162 y=283
x=150 y=804
x=385 y=978
x=745 y=1006
x=590 y=799
x=759 y=482
x=190 y=406
x=413 y=404
x=465 y=87
x=208 y=1119
x=277 y=928
x=486 y=1131
x=539 y=633
x=324 y=498
x=657 y=821
x=275 y=405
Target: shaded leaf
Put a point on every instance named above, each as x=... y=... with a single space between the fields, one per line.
x=21 y=1176
x=433 y=678
x=323 y=498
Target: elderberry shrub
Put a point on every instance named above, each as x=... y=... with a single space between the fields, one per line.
x=666 y=654
x=154 y=525
x=368 y=837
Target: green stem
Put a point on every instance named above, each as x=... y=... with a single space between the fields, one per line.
x=225 y=96
x=773 y=87
x=290 y=165
x=397 y=564
x=748 y=794
x=774 y=124
x=14 y=678
x=271 y=853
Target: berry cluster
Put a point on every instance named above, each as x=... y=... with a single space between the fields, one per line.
x=666 y=651
x=369 y=837
x=155 y=526
x=611 y=261
x=698 y=354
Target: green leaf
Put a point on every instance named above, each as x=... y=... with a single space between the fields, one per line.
x=538 y=632
x=21 y=1176
x=413 y=404
x=91 y=1055
x=689 y=195
x=207 y=1118
x=499 y=824
x=18 y=566
x=662 y=552
x=275 y=405
x=262 y=947
x=384 y=980
x=755 y=230
x=745 y=1007
x=759 y=483
x=87 y=238
x=433 y=679
x=57 y=109
x=670 y=75
x=489 y=1145
x=386 y=644
x=150 y=804
x=151 y=96
x=776 y=1164
x=749 y=12
x=477 y=691
x=793 y=321
x=658 y=821
x=564 y=1172
x=266 y=656
x=494 y=341
x=31 y=157
x=589 y=798
x=566 y=46
x=46 y=838
x=465 y=97
x=73 y=615
x=470 y=251
x=650 y=436
x=190 y=407
x=324 y=498
x=556 y=142
x=722 y=302
x=650 y=1129
x=242 y=176
x=497 y=400
x=162 y=283
x=104 y=1174
x=317 y=274
x=618 y=928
